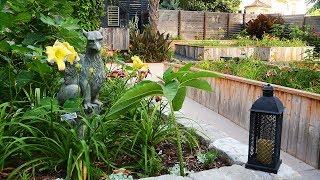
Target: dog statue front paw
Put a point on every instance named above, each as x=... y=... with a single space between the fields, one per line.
x=97 y=102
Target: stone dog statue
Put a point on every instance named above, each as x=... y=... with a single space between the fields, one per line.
x=89 y=82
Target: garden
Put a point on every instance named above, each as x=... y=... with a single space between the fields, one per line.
x=45 y=135
x=266 y=38
x=71 y=108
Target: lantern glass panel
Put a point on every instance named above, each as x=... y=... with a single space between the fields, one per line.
x=266 y=136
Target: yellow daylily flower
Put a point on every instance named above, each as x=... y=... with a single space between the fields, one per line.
x=74 y=55
x=57 y=54
x=137 y=63
x=60 y=52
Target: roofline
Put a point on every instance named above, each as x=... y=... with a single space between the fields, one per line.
x=266 y=6
x=261 y=4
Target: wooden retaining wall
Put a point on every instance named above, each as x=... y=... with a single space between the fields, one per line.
x=116 y=38
x=263 y=53
x=233 y=97
x=174 y=42
x=213 y=25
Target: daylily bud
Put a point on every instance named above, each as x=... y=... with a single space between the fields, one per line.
x=78 y=66
x=91 y=70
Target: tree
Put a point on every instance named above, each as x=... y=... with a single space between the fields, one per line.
x=315 y=9
x=89 y=12
x=154 y=14
x=211 y=5
x=169 y=4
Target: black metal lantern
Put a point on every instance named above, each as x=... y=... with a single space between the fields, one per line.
x=266 y=116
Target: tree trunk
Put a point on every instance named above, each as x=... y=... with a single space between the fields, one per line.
x=154 y=14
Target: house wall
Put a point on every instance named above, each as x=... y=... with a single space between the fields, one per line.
x=257 y=10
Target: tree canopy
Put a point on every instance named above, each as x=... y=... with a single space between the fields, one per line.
x=315 y=9
x=204 y=5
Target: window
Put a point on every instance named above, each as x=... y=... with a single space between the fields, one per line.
x=113 y=16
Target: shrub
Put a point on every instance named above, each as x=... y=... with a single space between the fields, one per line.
x=208 y=5
x=262 y=24
x=307 y=34
x=170 y=4
x=151 y=46
x=90 y=13
x=26 y=29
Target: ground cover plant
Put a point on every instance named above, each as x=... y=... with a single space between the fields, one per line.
x=298 y=75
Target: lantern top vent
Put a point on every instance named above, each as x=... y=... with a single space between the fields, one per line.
x=268 y=103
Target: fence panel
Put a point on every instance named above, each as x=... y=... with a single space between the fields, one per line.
x=216 y=25
x=213 y=25
x=168 y=22
x=192 y=24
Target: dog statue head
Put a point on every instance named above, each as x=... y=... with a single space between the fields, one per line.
x=94 y=39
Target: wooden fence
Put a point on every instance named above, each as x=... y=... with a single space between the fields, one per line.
x=263 y=53
x=233 y=97
x=116 y=38
x=212 y=25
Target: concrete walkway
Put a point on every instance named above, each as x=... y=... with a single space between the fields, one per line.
x=203 y=115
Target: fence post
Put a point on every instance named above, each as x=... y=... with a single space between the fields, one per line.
x=228 y=25
x=205 y=26
x=179 y=23
x=243 y=19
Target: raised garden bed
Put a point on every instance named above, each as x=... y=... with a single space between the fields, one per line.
x=264 y=53
x=174 y=42
x=233 y=97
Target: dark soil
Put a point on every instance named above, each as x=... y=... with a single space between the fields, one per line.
x=170 y=157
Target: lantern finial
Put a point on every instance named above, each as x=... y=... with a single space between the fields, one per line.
x=268 y=90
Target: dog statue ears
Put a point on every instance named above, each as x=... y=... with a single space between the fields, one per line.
x=85 y=33
x=101 y=30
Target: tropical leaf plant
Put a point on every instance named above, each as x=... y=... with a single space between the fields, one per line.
x=173 y=87
x=151 y=46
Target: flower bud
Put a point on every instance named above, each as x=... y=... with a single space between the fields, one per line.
x=78 y=66
x=91 y=70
